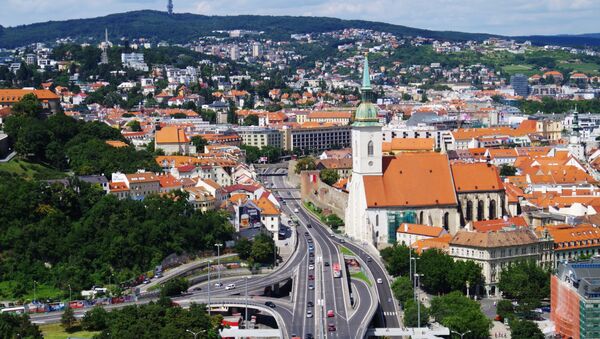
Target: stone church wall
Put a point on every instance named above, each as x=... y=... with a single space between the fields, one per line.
x=322 y=195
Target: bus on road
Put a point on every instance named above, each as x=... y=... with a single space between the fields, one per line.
x=337 y=270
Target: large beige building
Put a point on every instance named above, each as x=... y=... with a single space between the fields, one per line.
x=495 y=250
x=260 y=136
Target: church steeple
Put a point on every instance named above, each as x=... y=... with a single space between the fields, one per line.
x=366 y=113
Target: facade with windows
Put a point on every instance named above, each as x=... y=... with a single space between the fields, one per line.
x=575 y=299
x=495 y=250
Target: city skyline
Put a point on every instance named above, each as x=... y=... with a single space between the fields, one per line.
x=513 y=18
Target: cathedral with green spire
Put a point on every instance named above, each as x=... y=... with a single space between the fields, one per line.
x=366 y=113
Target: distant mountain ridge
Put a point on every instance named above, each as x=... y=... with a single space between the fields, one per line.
x=182 y=28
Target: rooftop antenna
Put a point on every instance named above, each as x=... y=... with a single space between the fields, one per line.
x=170 y=7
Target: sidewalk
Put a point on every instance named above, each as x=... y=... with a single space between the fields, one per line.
x=499 y=330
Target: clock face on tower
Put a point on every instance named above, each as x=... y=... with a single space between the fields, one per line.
x=370 y=163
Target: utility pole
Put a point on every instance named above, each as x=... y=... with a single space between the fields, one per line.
x=34 y=290
x=70 y=293
x=219 y=262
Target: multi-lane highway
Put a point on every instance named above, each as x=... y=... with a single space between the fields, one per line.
x=319 y=304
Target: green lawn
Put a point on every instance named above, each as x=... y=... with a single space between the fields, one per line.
x=30 y=170
x=41 y=292
x=511 y=69
x=361 y=276
x=588 y=68
x=346 y=251
x=55 y=331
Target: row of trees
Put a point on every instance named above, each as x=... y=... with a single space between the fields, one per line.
x=161 y=319
x=441 y=273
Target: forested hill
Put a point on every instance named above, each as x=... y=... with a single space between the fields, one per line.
x=181 y=28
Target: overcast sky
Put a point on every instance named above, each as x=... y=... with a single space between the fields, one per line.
x=508 y=17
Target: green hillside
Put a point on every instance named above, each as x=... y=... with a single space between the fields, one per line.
x=181 y=28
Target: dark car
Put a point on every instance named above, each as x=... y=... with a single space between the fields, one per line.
x=310 y=304
x=326 y=263
x=270 y=304
x=331 y=328
x=309 y=336
x=309 y=226
x=311 y=254
x=311 y=277
x=306 y=234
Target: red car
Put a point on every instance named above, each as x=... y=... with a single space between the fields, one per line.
x=311 y=277
x=330 y=314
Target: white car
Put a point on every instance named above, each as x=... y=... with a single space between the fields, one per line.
x=311 y=267
x=309 y=314
x=295 y=210
x=230 y=287
x=311 y=287
x=379 y=281
x=218 y=284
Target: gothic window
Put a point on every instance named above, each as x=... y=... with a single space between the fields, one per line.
x=446 y=220
x=370 y=148
x=492 y=211
x=376 y=219
x=469 y=210
x=480 y=209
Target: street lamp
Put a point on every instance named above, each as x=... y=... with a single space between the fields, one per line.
x=195 y=334
x=209 y=288
x=416 y=292
x=413 y=268
x=219 y=262
x=246 y=317
x=461 y=334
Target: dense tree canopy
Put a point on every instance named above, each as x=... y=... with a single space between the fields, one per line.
x=76 y=235
x=460 y=314
x=525 y=329
x=18 y=326
x=525 y=281
x=64 y=142
x=162 y=319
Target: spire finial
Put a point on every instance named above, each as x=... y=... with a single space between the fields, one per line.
x=366 y=81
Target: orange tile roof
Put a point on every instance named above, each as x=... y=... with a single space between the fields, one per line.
x=169 y=181
x=412 y=179
x=343 y=163
x=441 y=243
x=329 y=115
x=498 y=224
x=238 y=197
x=142 y=177
x=171 y=135
x=15 y=95
x=473 y=133
x=568 y=237
x=409 y=144
x=520 y=236
x=266 y=206
x=117 y=187
x=476 y=177
x=418 y=229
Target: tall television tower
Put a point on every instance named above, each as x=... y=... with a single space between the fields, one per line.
x=170 y=7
